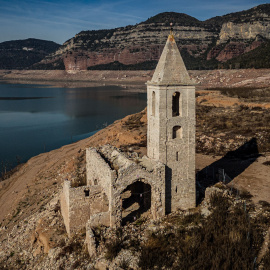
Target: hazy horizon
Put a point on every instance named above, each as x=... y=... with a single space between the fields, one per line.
x=60 y=20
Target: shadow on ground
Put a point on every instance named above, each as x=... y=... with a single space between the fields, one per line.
x=227 y=168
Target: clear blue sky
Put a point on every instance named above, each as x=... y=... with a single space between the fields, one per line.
x=60 y=20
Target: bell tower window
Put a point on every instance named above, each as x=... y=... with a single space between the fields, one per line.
x=153 y=103
x=177 y=132
x=176 y=106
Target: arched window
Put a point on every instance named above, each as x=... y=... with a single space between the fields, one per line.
x=176 y=106
x=177 y=132
x=153 y=103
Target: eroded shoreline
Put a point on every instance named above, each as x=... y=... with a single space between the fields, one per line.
x=203 y=78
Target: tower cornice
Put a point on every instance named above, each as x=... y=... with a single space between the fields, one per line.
x=192 y=83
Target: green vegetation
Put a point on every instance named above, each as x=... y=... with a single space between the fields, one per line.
x=177 y=19
x=198 y=63
x=57 y=64
x=257 y=58
x=21 y=54
x=147 y=65
x=87 y=39
x=246 y=93
x=191 y=62
x=242 y=16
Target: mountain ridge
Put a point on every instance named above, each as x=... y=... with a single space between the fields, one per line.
x=203 y=44
x=208 y=44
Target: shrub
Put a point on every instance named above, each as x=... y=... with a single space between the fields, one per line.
x=195 y=219
x=218 y=200
x=227 y=239
x=113 y=248
x=265 y=205
x=244 y=194
x=124 y=263
x=266 y=259
x=267 y=163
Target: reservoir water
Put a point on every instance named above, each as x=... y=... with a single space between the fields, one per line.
x=37 y=118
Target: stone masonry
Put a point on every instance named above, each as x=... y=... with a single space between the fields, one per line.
x=113 y=179
x=171 y=126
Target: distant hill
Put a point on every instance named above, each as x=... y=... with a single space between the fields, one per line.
x=21 y=54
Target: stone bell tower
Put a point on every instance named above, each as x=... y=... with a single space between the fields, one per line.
x=171 y=126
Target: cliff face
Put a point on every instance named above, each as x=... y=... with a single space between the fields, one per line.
x=218 y=39
x=244 y=31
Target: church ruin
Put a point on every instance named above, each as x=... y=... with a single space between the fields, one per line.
x=121 y=188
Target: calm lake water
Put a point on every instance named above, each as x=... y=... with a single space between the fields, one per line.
x=37 y=118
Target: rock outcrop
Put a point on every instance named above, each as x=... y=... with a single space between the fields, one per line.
x=218 y=39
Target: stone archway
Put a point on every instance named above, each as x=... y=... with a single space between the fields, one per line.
x=136 y=201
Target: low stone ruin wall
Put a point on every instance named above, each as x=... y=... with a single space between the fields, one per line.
x=77 y=204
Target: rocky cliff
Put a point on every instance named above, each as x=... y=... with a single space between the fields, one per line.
x=203 y=44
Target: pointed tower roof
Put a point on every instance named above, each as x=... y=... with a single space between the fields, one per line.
x=171 y=69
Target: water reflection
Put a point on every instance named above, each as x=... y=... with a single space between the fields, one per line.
x=32 y=122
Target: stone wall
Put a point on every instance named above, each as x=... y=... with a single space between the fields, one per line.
x=153 y=115
x=177 y=153
x=109 y=173
x=77 y=204
x=99 y=171
x=79 y=209
x=109 y=160
x=155 y=177
x=180 y=152
x=90 y=240
x=64 y=202
x=100 y=219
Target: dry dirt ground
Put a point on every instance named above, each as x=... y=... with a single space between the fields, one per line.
x=33 y=185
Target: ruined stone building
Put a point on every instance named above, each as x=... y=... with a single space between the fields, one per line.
x=121 y=187
x=118 y=190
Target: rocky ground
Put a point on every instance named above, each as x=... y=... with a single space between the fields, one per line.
x=232 y=133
